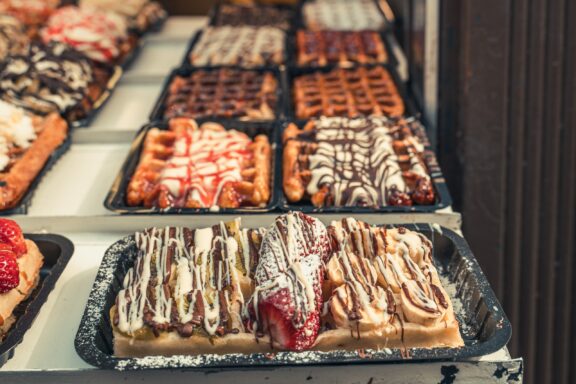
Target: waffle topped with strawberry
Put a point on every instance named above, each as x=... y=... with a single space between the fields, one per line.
x=20 y=263
x=294 y=286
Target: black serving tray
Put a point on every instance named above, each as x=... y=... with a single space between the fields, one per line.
x=443 y=198
x=57 y=251
x=483 y=324
x=99 y=104
x=24 y=203
x=288 y=52
x=116 y=198
x=293 y=72
x=281 y=92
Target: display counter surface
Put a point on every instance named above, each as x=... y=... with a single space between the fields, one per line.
x=69 y=201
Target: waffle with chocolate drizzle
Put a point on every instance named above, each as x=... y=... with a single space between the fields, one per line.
x=258 y=16
x=201 y=166
x=370 y=162
x=296 y=285
x=351 y=92
x=223 y=93
x=320 y=48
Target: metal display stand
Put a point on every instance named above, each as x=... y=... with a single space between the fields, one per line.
x=69 y=202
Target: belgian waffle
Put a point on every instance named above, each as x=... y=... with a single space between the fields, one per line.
x=203 y=166
x=296 y=285
x=319 y=48
x=258 y=16
x=224 y=92
x=371 y=162
x=342 y=15
x=244 y=46
x=360 y=91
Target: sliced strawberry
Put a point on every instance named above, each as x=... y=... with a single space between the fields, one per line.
x=9 y=271
x=11 y=234
x=277 y=314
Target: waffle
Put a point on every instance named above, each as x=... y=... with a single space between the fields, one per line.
x=13 y=40
x=347 y=92
x=225 y=289
x=258 y=16
x=244 y=46
x=141 y=15
x=32 y=13
x=26 y=144
x=320 y=48
x=225 y=93
x=55 y=78
x=201 y=167
x=367 y=162
x=342 y=15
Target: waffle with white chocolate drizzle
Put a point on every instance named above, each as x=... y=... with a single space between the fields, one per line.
x=296 y=285
x=367 y=162
x=201 y=166
x=223 y=93
x=320 y=48
x=382 y=290
x=245 y=46
x=351 y=92
x=342 y=15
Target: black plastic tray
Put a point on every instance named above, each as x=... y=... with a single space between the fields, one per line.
x=116 y=198
x=213 y=13
x=483 y=324
x=106 y=93
x=288 y=52
x=157 y=113
x=57 y=251
x=409 y=105
x=443 y=198
x=24 y=203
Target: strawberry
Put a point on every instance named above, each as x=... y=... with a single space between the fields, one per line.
x=9 y=271
x=277 y=313
x=11 y=234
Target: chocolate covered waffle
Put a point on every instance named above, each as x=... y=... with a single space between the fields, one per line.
x=206 y=166
x=54 y=78
x=245 y=46
x=224 y=92
x=320 y=48
x=382 y=290
x=342 y=15
x=359 y=91
x=258 y=16
x=367 y=162
x=26 y=143
x=295 y=285
x=13 y=40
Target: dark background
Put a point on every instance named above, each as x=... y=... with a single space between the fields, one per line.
x=507 y=145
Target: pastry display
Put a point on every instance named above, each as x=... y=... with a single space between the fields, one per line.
x=258 y=16
x=20 y=263
x=102 y=36
x=13 y=39
x=244 y=46
x=26 y=143
x=319 y=48
x=365 y=162
x=32 y=13
x=142 y=15
x=295 y=286
x=53 y=78
x=206 y=166
x=223 y=92
x=342 y=15
x=351 y=92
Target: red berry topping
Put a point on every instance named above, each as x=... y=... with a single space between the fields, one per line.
x=11 y=234
x=9 y=271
